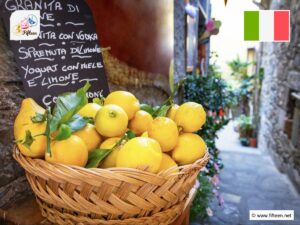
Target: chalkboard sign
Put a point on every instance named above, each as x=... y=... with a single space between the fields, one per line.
x=66 y=53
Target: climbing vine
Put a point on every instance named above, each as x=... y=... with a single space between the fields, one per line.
x=217 y=97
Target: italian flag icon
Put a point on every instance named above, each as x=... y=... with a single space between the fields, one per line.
x=267 y=25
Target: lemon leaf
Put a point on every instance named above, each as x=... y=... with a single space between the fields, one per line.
x=163 y=110
x=67 y=105
x=89 y=120
x=64 y=132
x=77 y=122
x=96 y=156
x=156 y=108
x=53 y=123
x=147 y=108
x=38 y=118
x=48 y=130
x=130 y=135
x=29 y=139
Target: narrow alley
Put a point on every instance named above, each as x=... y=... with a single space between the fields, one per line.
x=250 y=181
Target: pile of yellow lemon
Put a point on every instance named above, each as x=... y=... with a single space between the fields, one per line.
x=159 y=143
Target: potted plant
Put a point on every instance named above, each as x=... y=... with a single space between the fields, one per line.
x=244 y=141
x=253 y=138
x=245 y=129
x=253 y=141
x=245 y=126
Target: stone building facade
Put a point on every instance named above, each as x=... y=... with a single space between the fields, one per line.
x=281 y=64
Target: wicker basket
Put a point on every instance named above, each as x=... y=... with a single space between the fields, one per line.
x=75 y=195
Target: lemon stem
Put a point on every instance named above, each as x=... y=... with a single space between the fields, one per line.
x=112 y=114
x=180 y=129
x=37 y=135
x=119 y=142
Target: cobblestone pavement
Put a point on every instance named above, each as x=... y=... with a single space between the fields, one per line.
x=250 y=181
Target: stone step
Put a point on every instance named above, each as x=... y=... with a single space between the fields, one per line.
x=25 y=212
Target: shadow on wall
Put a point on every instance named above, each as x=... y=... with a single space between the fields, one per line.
x=148 y=87
x=140 y=34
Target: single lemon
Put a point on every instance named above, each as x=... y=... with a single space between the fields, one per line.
x=111 y=121
x=90 y=136
x=165 y=131
x=28 y=109
x=189 y=148
x=140 y=152
x=140 y=122
x=145 y=134
x=38 y=147
x=172 y=111
x=110 y=160
x=166 y=163
x=71 y=151
x=89 y=110
x=125 y=100
x=190 y=116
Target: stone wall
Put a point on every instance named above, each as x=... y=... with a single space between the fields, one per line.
x=179 y=40
x=13 y=184
x=281 y=63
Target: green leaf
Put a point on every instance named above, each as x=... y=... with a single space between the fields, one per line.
x=48 y=133
x=38 y=118
x=156 y=108
x=64 y=132
x=29 y=139
x=67 y=105
x=147 y=108
x=89 y=120
x=163 y=110
x=53 y=123
x=77 y=122
x=130 y=135
x=96 y=156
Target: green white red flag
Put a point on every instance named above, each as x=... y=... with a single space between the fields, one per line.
x=267 y=25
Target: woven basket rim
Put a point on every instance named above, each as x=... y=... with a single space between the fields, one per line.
x=22 y=159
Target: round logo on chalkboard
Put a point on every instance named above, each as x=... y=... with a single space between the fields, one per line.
x=32 y=20
x=25 y=25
